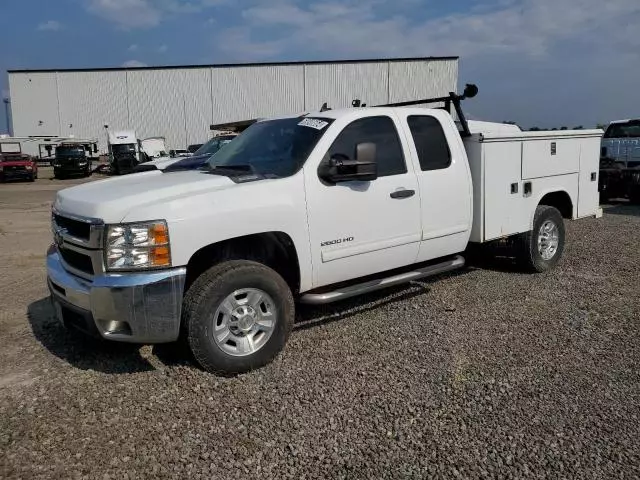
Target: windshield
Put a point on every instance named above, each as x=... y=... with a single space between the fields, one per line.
x=213 y=145
x=624 y=130
x=273 y=148
x=70 y=152
x=123 y=148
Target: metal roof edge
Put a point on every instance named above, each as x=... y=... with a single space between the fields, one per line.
x=230 y=65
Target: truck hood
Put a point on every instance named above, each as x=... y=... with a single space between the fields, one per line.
x=16 y=163
x=111 y=199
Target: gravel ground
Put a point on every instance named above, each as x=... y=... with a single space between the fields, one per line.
x=486 y=373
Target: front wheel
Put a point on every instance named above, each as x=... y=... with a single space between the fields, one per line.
x=238 y=316
x=541 y=248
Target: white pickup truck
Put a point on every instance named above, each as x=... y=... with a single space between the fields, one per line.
x=311 y=208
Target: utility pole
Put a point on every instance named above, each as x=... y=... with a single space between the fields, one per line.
x=7 y=102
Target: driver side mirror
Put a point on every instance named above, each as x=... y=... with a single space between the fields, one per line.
x=340 y=168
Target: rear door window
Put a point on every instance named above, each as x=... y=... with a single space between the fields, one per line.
x=430 y=141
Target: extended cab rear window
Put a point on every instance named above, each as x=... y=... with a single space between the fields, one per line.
x=431 y=142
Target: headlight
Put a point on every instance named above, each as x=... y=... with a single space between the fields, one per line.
x=29 y=167
x=137 y=246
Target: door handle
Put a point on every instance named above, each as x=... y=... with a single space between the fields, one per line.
x=403 y=194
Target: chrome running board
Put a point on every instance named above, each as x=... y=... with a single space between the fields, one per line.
x=373 y=285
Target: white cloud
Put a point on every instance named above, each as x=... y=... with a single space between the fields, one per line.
x=238 y=43
x=530 y=27
x=163 y=49
x=50 y=25
x=133 y=64
x=127 y=13
x=133 y=48
x=533 y=59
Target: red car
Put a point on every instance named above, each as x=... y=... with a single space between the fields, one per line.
x=14 y=166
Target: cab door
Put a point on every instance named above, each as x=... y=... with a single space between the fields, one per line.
x=444 y=180
x=358 y=228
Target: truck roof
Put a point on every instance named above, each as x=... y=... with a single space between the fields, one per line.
x=124 y=136
x=625 y=121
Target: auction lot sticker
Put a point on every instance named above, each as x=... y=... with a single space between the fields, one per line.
x=313 y=123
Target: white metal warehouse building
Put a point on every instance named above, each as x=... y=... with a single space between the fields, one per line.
x=181 y=102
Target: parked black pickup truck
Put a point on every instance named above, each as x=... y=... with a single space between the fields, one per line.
x=71 y=159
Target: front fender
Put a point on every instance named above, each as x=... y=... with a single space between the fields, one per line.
x=204 y=219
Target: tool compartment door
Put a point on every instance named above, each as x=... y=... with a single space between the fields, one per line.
x=504 y=213
x=550 y=157
x=588 y=195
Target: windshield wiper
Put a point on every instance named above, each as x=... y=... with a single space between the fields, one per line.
x=236 y=172
x=232 y=168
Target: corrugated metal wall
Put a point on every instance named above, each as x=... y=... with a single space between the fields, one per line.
x=180 y=104
x=34 y=104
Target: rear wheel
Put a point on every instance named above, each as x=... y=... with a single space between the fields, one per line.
x=238 y=316
x=634 y=195
x=541 y=248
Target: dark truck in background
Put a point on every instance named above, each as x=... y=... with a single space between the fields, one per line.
x=71 y=159
x=620 y=161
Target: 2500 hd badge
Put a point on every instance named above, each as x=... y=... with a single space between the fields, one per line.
x=336 y=242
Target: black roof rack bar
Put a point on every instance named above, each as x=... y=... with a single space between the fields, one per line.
x=454 y=99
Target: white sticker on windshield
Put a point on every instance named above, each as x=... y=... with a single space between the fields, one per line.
x=313 y=123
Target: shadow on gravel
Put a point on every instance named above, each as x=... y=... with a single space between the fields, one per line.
x=81 y=351
x=622 y=208
x=311 y=316
x=488 y=261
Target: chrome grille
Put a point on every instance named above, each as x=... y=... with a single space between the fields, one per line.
x=81 y=231
x=75 y=228
x=77 y=261
x=79 y=243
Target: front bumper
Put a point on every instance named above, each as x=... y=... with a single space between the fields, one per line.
x=127 y=307
x=16 y=174
x=72 y=169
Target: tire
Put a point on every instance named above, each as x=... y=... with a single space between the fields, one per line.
x=534 y=257
x=634 y=195
x=204 y=313
x=32 y=178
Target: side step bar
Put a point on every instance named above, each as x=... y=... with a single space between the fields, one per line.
x=379 y=284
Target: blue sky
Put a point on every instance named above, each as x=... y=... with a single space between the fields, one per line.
x=537 y=62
